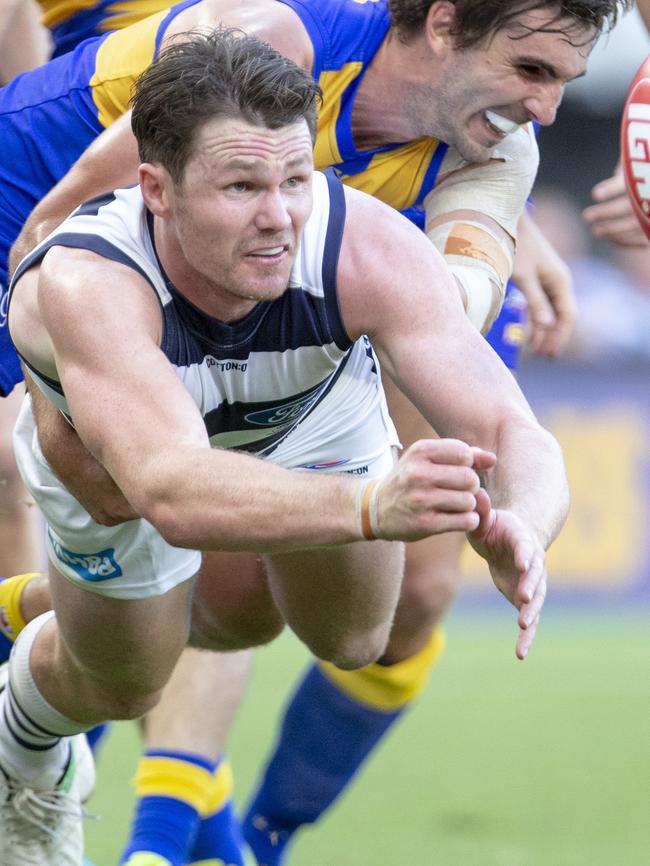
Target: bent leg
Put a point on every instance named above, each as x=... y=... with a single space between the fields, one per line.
x=184 y=810
x=340 y=601
x=336 y=718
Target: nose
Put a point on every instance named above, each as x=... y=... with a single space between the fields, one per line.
x=543 y=103
x=273 y=212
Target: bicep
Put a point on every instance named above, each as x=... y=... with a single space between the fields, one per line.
x=395 y=287
x=124 y=396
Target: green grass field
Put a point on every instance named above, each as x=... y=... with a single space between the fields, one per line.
x=545 y=763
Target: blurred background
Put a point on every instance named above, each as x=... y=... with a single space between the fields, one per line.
x=545 y=763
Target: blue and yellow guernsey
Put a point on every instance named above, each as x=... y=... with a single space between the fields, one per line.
x=346 y=35
x=72 y=21
x=49 y=116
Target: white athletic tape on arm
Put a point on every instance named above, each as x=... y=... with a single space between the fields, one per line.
x=481 y=258
x=481 y=262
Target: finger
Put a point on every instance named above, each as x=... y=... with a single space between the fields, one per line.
x=484 y=514
x=446 y=451
x=483 y=459
x=525 y=640
x=621 y=227
x=532 y=568
x=531 y=611
x=540 y=314
x=449 y=501
x=608 y=188
x=562 y=297
x=436 y=522
x=447 y=478
x=619 y=206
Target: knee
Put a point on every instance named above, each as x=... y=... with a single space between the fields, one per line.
x=352 y=651
x=206 y=633
x=429 y=587
x=426 y=598
x=256 y=623
x=128 y=706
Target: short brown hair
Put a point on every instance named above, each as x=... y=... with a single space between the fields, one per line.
x=218 y=73
x=478 y=20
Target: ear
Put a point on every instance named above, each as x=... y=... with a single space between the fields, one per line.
x=155 y=184
x=438 y=24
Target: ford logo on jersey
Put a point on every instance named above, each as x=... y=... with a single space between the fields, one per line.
x=284 y=414
x=89 y=566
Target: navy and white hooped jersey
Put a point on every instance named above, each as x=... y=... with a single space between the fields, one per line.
x=255 y=379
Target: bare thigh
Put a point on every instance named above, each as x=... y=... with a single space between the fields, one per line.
x=340 y=601
x=105 y=658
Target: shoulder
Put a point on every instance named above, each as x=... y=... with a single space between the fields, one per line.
x=385 y=262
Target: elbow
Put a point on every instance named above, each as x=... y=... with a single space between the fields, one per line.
x=168 y=520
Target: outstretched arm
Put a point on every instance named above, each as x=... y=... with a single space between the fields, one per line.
x=407 y=303
x=146 y=430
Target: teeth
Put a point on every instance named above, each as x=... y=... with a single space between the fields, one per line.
x=501 y=123
x=271 y=252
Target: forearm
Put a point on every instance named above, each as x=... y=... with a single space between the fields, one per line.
x=530 y=480
x=210 y=499
x=73 y=464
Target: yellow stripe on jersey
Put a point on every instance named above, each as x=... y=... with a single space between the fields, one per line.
x=333 y=84
x=123 y=14
x=396 y=176
x=121 y=58
x=56 y=11
x=391 y=687
x=168 y=777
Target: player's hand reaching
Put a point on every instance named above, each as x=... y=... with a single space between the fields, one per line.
x=432 y=489
x=612 y=217
x=545 y=281
x=517 y=564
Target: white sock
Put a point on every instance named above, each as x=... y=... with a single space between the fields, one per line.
x=33 y=735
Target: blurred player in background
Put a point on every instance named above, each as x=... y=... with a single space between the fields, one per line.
x=72 y=21
x=23 y=45
x=428 y=592
x=612 y=217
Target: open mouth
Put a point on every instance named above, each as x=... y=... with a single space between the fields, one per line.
x=500 y=125
x=268 y=252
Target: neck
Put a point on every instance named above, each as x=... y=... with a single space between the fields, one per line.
x=384 y=109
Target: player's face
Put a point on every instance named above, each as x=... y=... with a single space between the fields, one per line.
x=488 y=91
x=245 y=196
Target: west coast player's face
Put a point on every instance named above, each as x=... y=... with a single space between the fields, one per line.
x=486 y=92
x=238 y=213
